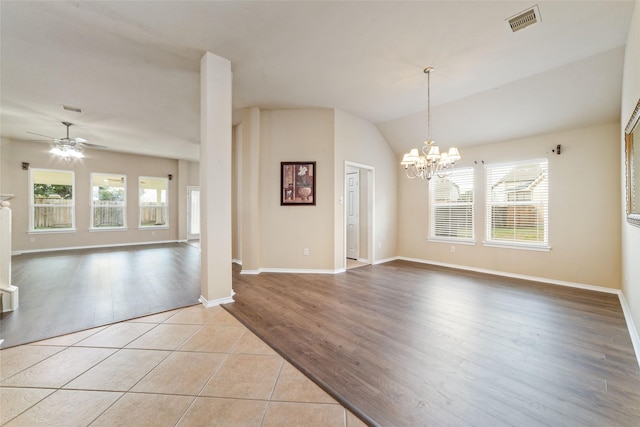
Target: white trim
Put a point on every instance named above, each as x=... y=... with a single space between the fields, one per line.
x=92 y=202
x=73 y=248
x=633 y=332
x=293 y=271
x=215 y=302
x=32 y=203
x=516 y=276
x=452 y=240
x=365 y=260
x=382 y=261
x=515 y=245
x=97 y=229
x=236 y=261
x=299 y=270
x=371 y=212
x=52 y=231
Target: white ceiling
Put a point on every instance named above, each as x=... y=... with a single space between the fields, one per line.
x=133 y=67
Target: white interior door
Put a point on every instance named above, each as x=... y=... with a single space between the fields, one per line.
x=353 y=217
x=193 y=213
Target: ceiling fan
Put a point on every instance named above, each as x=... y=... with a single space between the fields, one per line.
x=68 y=147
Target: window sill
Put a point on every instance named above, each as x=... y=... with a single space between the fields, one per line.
x=450 y=240
x=154 y=227
x=91 y=230
x=522 y=246
x=53 y=231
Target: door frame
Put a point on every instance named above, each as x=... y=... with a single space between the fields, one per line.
x=370 y=194
x=191 y=236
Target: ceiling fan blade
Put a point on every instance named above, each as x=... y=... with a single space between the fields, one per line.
x=80 y=140
x=89 y=145
x=39 y=134
x=45 y=141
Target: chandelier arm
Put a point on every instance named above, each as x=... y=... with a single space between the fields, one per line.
x=412 y=174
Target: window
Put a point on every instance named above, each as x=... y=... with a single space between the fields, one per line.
x=153 y=201
x=451 y=206
x=518 y=204
x=108 y=201
x=52 y=200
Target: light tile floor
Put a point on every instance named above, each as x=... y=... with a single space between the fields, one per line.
x=188 y=367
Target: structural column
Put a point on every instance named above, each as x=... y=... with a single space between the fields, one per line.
x=215 y=180
x=250 y=215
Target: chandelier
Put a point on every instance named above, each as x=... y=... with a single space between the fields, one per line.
x=430 y=162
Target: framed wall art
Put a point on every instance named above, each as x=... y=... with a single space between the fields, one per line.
x=297 y=183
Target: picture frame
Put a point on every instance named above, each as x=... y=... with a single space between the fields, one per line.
x=297 y=183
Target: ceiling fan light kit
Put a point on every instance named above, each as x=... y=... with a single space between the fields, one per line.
x=67 y=148
x=431 y=162
x=66 y=151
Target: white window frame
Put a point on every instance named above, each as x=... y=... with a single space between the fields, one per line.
x=466 y=176
x=492 y=171
x=33 y=205
x=164 y=207
x=94 y=204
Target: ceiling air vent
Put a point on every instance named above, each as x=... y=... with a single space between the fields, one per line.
x=524 y=19
x=70 y=108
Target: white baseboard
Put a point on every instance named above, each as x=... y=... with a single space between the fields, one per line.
x=215 y=302
x=236 y=261
x=292 y=271
x=382 y=261
x=514 y=275
x=73 y=248
x=244 y=271
x=633 y=332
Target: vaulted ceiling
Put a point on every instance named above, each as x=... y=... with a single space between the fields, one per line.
x=133 y=67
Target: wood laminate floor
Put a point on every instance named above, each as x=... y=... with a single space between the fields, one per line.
x=403 y=344
x=69 y=291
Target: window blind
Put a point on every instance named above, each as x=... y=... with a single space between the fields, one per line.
x=451 y=206
x=517 y=197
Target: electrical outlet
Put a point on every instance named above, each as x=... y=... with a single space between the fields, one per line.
x=306 y=251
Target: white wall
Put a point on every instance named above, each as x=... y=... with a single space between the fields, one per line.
x=16 y=181
x=583 y=206
x=630 y=234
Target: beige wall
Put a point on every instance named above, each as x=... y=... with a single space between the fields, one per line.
x=329 y=138
x=296 y=135
x=631 y=234
x=16 y=181
x=358 y=141
x=584 y=196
